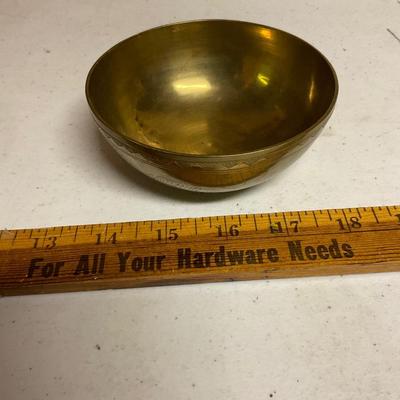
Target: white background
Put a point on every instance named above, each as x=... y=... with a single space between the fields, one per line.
x=325 y=338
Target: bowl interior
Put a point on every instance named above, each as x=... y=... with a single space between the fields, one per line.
x=211 y=87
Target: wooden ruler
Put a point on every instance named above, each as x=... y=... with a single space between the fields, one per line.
x=207 y=249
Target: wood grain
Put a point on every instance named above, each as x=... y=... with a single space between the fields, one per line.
x=206 y=249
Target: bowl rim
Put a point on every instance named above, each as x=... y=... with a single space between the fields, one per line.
x=170 y=153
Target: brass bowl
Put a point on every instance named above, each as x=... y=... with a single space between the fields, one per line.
x=211 y=105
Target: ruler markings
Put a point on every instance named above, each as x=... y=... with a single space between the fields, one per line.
x=255 y=222
x=370 y=247
x=347 y=222
x=226 y=228
x=76 y=232
x=14 y=238
x=286 y=224
x=375 y=216
x=105 y=234
x=315 y=219
x=269 y=237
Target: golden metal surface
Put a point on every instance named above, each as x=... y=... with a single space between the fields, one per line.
x=211 y=104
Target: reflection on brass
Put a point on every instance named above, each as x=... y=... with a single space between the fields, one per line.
x=211 y=105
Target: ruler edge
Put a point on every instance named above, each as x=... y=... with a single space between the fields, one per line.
x=100 y=224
